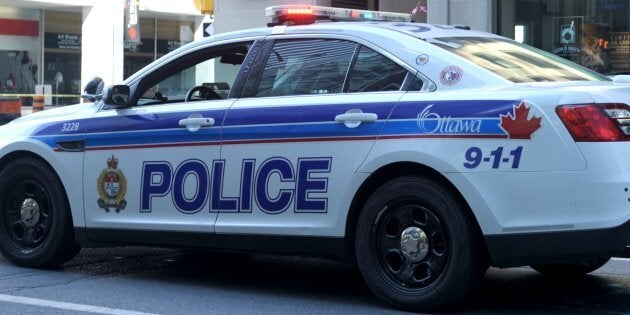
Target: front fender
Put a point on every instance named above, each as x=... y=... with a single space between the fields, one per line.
x=67 y=165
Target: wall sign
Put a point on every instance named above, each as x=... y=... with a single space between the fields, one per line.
x=164 y=46
x=619 y=49
x=19 y=27
x=567 y=35
x=62 y=41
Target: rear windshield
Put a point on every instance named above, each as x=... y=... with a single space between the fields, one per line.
x=516 y=62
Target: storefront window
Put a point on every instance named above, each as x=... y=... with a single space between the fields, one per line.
x=138 y=55
x=157 y=38
x=62 y=57
x=592 y=33
x=20 y=53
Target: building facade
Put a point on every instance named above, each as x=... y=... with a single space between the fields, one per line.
x=55 y=46
x=593 y=33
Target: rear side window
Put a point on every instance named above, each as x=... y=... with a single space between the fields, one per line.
x=297 y=67
x=373 y=72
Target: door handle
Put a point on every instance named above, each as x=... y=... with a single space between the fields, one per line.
x=195 y=122
x=203 y=122
x=354 y=117
x=361 y=117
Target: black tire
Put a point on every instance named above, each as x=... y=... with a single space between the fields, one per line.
x=570 y=270
x=454 y=263
x=39 y=235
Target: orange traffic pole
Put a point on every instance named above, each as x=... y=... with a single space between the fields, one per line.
x=38 y=103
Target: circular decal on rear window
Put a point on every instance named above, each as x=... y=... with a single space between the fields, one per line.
x=451 y=75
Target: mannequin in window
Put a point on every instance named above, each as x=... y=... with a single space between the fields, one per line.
x=10 y=83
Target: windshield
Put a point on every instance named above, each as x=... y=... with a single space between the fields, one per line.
x=516 y=62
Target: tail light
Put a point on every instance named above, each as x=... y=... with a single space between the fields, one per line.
x=596 y=122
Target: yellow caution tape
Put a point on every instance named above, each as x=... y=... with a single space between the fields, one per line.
x=32 y=95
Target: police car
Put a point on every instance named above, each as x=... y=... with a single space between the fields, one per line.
x=424 y=153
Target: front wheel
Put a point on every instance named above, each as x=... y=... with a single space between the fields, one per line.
x=417 y=246
x=35 y=223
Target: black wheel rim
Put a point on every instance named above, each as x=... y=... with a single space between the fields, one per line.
x=26 y=232
x=394 y=264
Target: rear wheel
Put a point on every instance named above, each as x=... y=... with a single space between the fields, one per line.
x=571 y=270
x=417 y=247
x=35 y=222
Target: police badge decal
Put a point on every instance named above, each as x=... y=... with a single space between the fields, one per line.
x=112 y=187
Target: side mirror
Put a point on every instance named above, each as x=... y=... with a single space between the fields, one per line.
x=93 y=90
x=116 y=95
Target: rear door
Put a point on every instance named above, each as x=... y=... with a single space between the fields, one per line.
x=292 y=143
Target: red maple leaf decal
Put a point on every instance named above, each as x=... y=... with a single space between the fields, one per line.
x=517 y=125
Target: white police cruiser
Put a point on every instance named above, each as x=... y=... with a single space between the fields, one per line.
x=424 y=153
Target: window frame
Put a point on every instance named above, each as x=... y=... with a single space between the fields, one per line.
x=155 y=72
x=183 y=63
x=351 y=54
x=404 y=85
x=253 y=80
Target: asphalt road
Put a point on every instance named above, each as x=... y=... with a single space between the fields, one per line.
x=166 y=281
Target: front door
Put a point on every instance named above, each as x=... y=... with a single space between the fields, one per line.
x=148 y=166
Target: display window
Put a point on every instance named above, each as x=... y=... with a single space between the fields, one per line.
x=62 y=56
x=592 y=33
x=157 y=38
x=40 y=54
x=20 y=53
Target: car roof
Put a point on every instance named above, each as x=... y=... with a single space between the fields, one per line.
x=419 y=30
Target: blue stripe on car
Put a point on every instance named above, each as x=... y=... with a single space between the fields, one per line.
x=292 y=123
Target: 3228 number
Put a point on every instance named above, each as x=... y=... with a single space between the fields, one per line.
x=68 y=127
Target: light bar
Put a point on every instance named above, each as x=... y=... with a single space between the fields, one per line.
x=307 y=14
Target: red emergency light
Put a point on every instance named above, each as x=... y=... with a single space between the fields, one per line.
x=300 y=15
x=297 y=16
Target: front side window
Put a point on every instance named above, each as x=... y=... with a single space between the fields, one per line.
x=515 y=62
x=202 y=75
x=297 y=67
